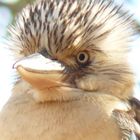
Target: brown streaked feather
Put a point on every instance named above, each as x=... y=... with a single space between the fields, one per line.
x=135 y=103
x=128 y=125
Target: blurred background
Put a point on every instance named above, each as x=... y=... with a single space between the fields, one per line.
x=9 y=9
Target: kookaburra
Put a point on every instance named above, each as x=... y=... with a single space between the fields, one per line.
x=74 y=81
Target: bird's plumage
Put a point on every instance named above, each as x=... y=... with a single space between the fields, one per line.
x=59 y=120
x=98 y=27
x=89 y=98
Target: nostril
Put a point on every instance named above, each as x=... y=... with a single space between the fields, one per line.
x=44 y=52
x=54 y=59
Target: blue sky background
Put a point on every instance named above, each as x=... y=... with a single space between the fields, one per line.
x=6 y=62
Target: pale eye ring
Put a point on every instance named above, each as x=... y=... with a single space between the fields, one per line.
x=82 y=57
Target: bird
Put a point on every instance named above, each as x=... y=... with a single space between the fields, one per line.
x=73 y=79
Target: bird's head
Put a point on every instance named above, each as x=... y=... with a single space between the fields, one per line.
x=67 y=48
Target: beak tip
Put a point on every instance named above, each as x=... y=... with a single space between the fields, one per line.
x=14 y=66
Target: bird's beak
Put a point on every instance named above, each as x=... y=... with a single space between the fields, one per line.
x=40 y=72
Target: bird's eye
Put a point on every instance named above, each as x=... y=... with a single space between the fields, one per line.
x=82 y=57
